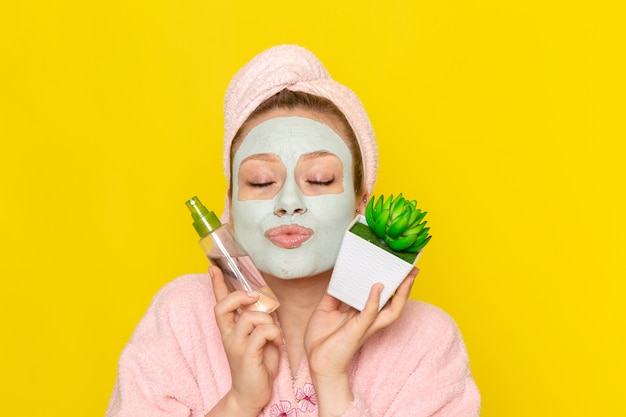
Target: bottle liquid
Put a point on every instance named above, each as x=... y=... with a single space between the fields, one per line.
x=218 y=243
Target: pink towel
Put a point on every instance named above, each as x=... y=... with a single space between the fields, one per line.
x=294 y=68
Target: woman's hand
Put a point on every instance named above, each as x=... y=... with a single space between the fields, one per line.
x=251 y=340
x=334 y=334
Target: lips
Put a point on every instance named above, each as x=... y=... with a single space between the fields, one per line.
x=289 y=236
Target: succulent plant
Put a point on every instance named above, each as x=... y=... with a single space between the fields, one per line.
x=398 y=222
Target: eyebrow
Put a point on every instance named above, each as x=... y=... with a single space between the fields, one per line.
x=316 y=154
x=270 y=157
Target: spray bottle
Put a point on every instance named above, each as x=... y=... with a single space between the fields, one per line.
x=218 y=243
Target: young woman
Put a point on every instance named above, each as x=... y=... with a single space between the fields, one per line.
x=301 y=159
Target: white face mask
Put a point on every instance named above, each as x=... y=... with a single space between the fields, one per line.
x=293 y=196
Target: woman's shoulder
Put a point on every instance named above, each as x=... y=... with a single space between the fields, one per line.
x=188 y=284
x=184 y=294
x=181 y=308
x=423 y=315
x=421 y=325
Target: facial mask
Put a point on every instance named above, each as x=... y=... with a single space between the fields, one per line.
x=325 y=217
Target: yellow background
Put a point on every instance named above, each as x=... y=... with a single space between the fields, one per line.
x=502 y=118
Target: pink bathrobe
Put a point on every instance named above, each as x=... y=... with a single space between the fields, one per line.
x=175 y=365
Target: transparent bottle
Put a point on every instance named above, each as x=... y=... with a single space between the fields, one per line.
x=218 y=243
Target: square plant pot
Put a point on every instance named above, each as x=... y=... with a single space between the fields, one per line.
x=361 y=264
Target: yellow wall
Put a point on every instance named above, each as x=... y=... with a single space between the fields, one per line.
x=500 y=117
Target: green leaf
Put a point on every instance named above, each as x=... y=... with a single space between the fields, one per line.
x=387 y=203
x=419 y=246
x=416 y=229
x=397 y=207
x=369 y=212
x=401 y=243
x=398 y=226
x=413 y=218
x=378 y=208
x=380 y=225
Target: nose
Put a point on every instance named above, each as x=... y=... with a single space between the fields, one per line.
x=289 y=200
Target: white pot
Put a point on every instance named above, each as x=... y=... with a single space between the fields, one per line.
x=361 y=264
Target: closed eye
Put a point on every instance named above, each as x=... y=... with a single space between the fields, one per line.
x=261 y=184
x=321 y=183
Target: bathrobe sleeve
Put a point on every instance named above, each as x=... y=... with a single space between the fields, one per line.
x=169 y=356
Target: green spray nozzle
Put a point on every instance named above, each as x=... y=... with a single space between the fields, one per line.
x=204 y=221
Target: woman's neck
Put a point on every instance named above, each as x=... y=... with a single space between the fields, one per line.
x=298 y=299
x=300 y=295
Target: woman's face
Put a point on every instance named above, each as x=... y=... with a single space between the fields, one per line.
x=293 y=194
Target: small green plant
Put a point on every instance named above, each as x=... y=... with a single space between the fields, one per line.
x=398 y=223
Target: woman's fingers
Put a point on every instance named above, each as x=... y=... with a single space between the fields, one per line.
x=370 y=310
x=227 y=307
x=242 y=329
x=392 y=310
x=263 y=334
x=249 y=320
x=250 y=337
x=228 y=303
x=220 y=289
x=399 y=299
x=375 y=320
